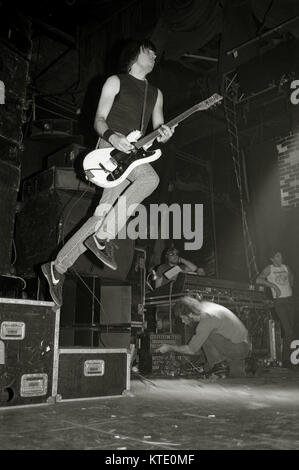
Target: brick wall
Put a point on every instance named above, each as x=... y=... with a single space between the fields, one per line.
x=288 y=164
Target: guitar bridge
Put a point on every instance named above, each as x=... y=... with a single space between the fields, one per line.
x=107 y=171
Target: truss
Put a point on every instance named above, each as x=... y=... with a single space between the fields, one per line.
x=230 y=95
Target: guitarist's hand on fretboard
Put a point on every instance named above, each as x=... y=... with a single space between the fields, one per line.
x=165 y=133
x=120 y=142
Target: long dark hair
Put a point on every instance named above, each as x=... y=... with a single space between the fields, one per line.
x=130 y=53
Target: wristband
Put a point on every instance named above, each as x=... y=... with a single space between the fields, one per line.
x=107 y=134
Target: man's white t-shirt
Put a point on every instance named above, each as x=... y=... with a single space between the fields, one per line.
x=279 y=275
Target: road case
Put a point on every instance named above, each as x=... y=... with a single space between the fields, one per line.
x=29 y=332
x=86 y=373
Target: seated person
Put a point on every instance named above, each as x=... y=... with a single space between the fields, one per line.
x=173 y=259
x=219 y=332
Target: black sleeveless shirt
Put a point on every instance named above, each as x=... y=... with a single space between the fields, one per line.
x=126 y=112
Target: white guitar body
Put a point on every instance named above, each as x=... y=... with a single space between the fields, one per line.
x=99 y=163
x=107 y=167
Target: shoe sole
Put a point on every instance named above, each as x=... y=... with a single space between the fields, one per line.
x=104 y=260
x=48 y=277
x=99 y=255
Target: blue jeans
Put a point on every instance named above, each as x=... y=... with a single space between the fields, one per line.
x=140 y=183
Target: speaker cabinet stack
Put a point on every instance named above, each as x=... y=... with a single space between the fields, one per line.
x=95 y=318
x=14 y=68
x=95 y=337
x=55 y=204
x=95 y=313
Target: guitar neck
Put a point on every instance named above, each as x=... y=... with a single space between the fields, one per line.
x=152 y=136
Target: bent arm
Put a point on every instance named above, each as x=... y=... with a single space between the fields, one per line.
x=158 y=120
x=183 y=349
x=159 y=280
x=262 y=278
x=188 y=265
x=109 y=91
x=157 y=114
x=196 y=342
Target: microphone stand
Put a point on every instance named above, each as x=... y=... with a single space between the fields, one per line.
x=170 y=306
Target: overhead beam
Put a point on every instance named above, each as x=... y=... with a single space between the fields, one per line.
x=49 y=66
x=201 y=57
x=261 y=36
x=55 y=33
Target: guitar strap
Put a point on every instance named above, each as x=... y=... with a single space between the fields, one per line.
x=143 y=108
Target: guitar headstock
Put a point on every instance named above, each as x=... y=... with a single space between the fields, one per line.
x=209 y=102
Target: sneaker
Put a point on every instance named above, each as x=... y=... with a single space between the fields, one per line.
x=55 y=281
x=220 y=369
x=103 y=250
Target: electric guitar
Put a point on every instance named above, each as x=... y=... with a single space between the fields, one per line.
x=108 y=167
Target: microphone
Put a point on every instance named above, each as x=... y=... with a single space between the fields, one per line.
x=152 y=273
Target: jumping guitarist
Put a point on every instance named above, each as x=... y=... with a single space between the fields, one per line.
x=127 y=102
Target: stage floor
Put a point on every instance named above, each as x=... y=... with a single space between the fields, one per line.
x=174 y=414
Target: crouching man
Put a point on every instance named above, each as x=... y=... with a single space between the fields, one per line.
x=219 y=332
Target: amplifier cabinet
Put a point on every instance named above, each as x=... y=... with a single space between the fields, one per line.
x=149 y=360
x=28 y=351
x=54 y=127
x=44 y=223
x=55 y=178
x=137 y=278
x=169 y=364
x=96 y=336
x=68 y=156
x=91 y=373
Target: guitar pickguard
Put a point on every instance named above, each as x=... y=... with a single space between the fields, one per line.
x=124 y=160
